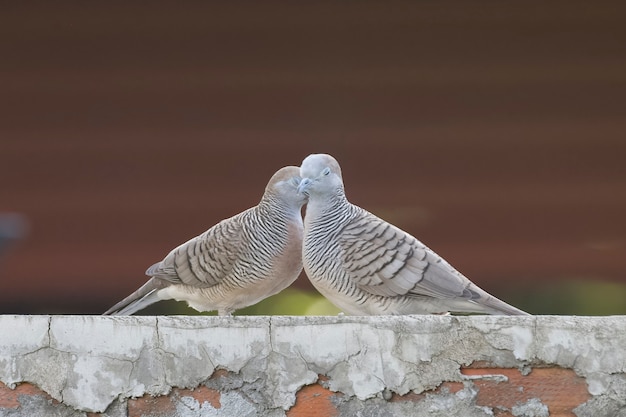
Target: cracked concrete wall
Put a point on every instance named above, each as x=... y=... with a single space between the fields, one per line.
x=299 y=366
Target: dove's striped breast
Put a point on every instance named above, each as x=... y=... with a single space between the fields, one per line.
x=322 y=249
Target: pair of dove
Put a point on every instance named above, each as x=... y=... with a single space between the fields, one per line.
x=361 y=263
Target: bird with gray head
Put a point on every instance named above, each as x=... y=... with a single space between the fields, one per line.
x=236 y=263
x=367 y=266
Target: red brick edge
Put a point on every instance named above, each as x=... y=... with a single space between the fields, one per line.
x=561 y=390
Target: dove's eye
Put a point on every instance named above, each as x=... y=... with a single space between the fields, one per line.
x=326 y=171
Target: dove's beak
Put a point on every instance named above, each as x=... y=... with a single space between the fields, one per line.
x=304 y=185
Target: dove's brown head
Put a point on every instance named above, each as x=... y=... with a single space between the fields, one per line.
x=321 y=175
x=284 y=185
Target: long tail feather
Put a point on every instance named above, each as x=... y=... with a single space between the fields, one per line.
x=494 y=305
x=138 y=300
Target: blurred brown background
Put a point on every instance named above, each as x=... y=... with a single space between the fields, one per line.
x=492 y=131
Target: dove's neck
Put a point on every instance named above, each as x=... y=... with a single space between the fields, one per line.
x=280 y=209
x=325 y=208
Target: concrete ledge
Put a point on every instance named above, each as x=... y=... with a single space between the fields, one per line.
x=298 y=366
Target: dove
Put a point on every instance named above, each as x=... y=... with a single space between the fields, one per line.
x=367 y=266
x=236 y=263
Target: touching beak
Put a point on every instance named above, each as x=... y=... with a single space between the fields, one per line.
x=304 y=185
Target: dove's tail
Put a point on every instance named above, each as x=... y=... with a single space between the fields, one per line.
x=507 y=309
x=495 y=306
x=138 y=300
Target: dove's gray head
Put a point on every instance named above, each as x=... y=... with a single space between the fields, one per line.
x=284 y=185
x=321 y=175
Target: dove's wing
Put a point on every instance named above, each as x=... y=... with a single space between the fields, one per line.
x=384 y=260
x=206 y=259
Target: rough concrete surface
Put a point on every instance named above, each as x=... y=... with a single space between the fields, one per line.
x=95 y=364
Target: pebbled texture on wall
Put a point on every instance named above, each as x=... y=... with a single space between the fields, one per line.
x=309 y=366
